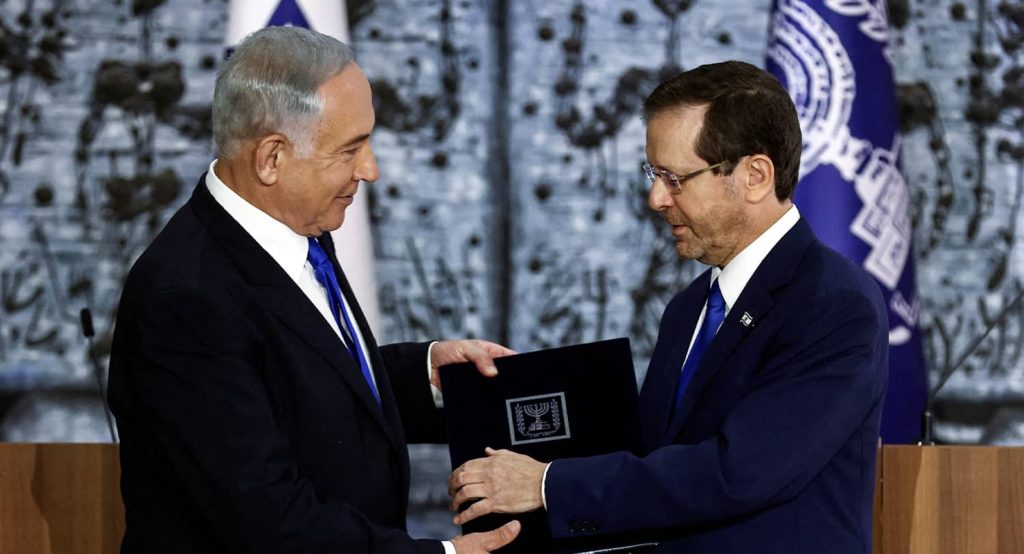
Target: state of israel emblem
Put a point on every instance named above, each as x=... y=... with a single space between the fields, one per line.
x=538 y=418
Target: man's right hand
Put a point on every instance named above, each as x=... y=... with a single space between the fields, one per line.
x=490 y=541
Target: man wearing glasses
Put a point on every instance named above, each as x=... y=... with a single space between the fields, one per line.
x=761 y=406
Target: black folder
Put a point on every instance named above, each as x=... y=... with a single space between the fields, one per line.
x=564 y=402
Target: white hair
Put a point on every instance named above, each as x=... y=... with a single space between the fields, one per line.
x=269 y=85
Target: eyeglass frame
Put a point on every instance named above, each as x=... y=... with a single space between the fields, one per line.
x=675 y=182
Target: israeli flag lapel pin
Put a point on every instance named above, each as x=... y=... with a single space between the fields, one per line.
x=746 y=319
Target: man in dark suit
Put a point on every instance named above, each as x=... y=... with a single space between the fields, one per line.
x=761 y=406
x=256 y=412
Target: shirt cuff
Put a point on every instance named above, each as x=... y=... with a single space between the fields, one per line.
x=543 y=485
x=449 y=547
x=435 y=392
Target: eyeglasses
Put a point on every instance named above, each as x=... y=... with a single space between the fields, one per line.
x=675 y=182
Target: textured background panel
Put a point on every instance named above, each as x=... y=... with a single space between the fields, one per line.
x=511 y=204
x=432 y=69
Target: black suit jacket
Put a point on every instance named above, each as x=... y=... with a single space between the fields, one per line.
x=772 y=449
x=245 y=424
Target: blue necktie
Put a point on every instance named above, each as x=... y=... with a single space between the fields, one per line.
x=325 y=275
x=713 y=317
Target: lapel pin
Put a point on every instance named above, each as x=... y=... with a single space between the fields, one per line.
x=746 y=319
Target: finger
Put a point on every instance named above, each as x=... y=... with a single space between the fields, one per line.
x=481 y=354
x=492 y=452
x=461 y=468
x=462 y=478
x=502 y=535
x=478 y=509
x=496 y=350
x=467 y=493
x=483 y=361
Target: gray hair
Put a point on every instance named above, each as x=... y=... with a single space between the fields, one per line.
x=269 y=85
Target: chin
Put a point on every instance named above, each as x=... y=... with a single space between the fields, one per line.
x=685 y=252
x=332 y=220
x=335 y=224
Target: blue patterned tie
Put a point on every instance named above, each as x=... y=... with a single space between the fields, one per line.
x=325 y=275
x=713 y=317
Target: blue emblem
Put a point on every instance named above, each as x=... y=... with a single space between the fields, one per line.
x=834 y=58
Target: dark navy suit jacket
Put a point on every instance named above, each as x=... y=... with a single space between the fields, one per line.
x=773 y=447
x=245 y=425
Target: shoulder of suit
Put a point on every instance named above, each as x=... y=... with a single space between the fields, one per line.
x=176 y=257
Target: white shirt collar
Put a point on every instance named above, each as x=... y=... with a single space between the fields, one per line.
x=286 y=247
x=733 y=279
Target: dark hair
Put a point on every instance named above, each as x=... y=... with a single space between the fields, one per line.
x=749 y=112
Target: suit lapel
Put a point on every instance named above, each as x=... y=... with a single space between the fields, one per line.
x=662 y=378
x=729 y=338
x=756 y=300
x=288 y=303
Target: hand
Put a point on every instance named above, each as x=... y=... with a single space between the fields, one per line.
x=480 y=352
x=504 y=482
x=486 y=542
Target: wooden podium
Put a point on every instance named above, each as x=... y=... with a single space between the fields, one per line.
x=65 y=498
x=950 y=499
x=60 y=498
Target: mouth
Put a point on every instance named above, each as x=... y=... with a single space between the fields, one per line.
x=349 y=193
x=678 y=229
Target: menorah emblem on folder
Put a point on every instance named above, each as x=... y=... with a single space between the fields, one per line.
x=538 y=418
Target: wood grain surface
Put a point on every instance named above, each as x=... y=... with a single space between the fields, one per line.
x=65 y=499
x=950 y=500
x=60 y=499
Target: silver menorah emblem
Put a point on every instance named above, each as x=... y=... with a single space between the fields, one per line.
x=538 y=418
x=537 y=411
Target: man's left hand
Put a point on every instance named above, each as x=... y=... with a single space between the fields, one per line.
x=480 y=352
x=504 y=482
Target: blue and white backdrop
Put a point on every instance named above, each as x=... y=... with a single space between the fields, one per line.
x=511 y=204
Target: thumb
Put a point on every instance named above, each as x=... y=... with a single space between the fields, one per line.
x=502 y=535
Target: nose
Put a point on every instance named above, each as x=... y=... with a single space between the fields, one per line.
x=367 y=170
x=659 y=198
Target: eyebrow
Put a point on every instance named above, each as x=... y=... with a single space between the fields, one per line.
x=666 y=168
x=353 y=142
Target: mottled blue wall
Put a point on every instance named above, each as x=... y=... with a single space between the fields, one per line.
x=511 y=204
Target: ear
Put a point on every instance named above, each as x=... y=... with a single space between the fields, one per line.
x=760 y=178
x=268 y=156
